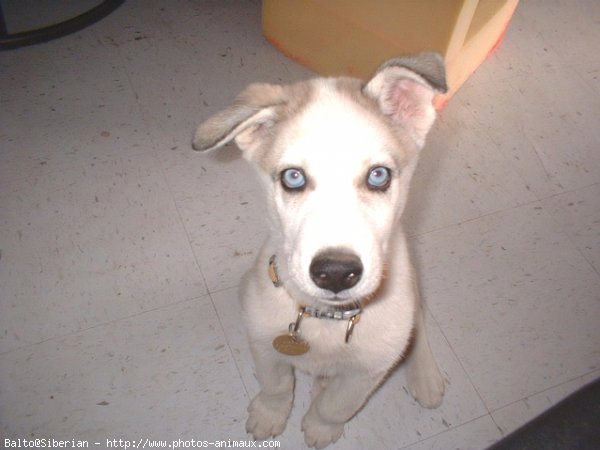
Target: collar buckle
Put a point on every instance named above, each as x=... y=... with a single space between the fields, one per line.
x=273 y=275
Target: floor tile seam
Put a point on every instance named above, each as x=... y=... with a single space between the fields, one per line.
x=103 y=324
x=163 y=169
x=462 y=366
x=155 y=151
x=203 y=294
x=470 y=82
x=523 y=173
x=214 y=244
x=80 y=165
x=517 y=205
x=226 y=288
x=535 y=145
x=447 y=430
x=568 y=61
x=548 y=178
x=500 y=59
x=226 y=337
x=569 y=191
x=536 y=151
x=498 y=427
x=597 y=270
x=570 y=380
x=86 y=162
x=537 y=200
x=473 y=219
x=204 y=280
x=136 y=95
x=577 y=68
x=564 y=230
x=184 y=227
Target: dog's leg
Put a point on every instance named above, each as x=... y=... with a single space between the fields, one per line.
x=335 y=401
x=425 y=381
x=269 y=410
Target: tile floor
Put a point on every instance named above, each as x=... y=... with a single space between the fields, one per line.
x=121 y=249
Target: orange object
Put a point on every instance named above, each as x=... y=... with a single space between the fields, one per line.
x=353 y=37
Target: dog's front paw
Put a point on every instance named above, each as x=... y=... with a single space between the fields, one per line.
x=426 y=386
x=264 y=421
x=319 y=434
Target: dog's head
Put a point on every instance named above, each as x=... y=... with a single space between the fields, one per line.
x=336 y=156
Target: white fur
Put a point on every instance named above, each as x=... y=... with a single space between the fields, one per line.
x=336 y=141
x=334 y=215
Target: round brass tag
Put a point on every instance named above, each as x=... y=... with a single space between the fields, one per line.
x=290 y=344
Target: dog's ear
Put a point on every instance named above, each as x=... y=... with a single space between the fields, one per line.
x=247 y=120
x=404 y=89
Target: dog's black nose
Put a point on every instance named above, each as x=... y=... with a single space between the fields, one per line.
x=336 y=270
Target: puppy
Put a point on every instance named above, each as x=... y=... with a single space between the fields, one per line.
x=333 y=292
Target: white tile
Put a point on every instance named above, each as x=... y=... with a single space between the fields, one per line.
x=549 y=134
x=578 y=212
x=517 y=414
x=213 y=51
x=224 y=211
x=568 y=28
x=86 y=246
x=164 y=374
x=516 y=300
x=108 y=113
x=524 y=50
x=65 y=104
x=590 y=72
x=462 y=174
x=542 y=36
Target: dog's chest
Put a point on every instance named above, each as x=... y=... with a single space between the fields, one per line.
x=377 y=341
x=328 y=352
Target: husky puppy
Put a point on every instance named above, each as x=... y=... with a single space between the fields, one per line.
x=333 y=291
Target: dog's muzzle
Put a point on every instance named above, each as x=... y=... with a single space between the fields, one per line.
x=336 y=270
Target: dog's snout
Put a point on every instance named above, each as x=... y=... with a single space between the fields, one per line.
x=336 y=270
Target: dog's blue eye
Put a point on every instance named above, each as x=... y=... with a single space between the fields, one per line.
x=293 y=179
x=379 y=178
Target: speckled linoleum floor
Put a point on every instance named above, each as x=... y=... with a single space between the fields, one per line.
x=121 y=249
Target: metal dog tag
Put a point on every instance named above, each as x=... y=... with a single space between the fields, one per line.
x=292 y=344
